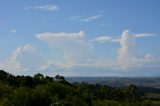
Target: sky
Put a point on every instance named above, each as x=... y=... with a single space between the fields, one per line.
x=80 y=37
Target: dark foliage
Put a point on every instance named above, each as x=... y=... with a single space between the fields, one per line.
x=47 y=91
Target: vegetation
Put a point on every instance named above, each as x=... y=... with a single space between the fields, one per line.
x=47 y=91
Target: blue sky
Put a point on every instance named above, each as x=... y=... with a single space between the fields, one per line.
x=80 y=37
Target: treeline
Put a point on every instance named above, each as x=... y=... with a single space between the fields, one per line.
x=42 y=90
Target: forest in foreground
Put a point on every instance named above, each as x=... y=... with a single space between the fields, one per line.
x=41 y=90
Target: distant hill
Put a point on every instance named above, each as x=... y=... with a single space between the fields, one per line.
x=119 y=81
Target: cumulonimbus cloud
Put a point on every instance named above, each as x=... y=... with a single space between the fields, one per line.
x=127 y=56
x=23 y=58
x=76 y=52
x=74 y=46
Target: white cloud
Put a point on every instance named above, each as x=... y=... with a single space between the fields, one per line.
x=46 y=65
x=22 y=59
x=104 y=39
x=92 y=18
x=50 y=37
x=86 y=19
x=125 y=36
x=128 y=57
x=143 y=35
x=125 y=52
x=49 y=7
x=13 y=30
x=75 y=47
x=149 y=56
x=77 y=51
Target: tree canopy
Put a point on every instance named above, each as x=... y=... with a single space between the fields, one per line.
x=41 y=90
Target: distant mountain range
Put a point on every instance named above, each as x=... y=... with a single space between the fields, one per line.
x=119 y=81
